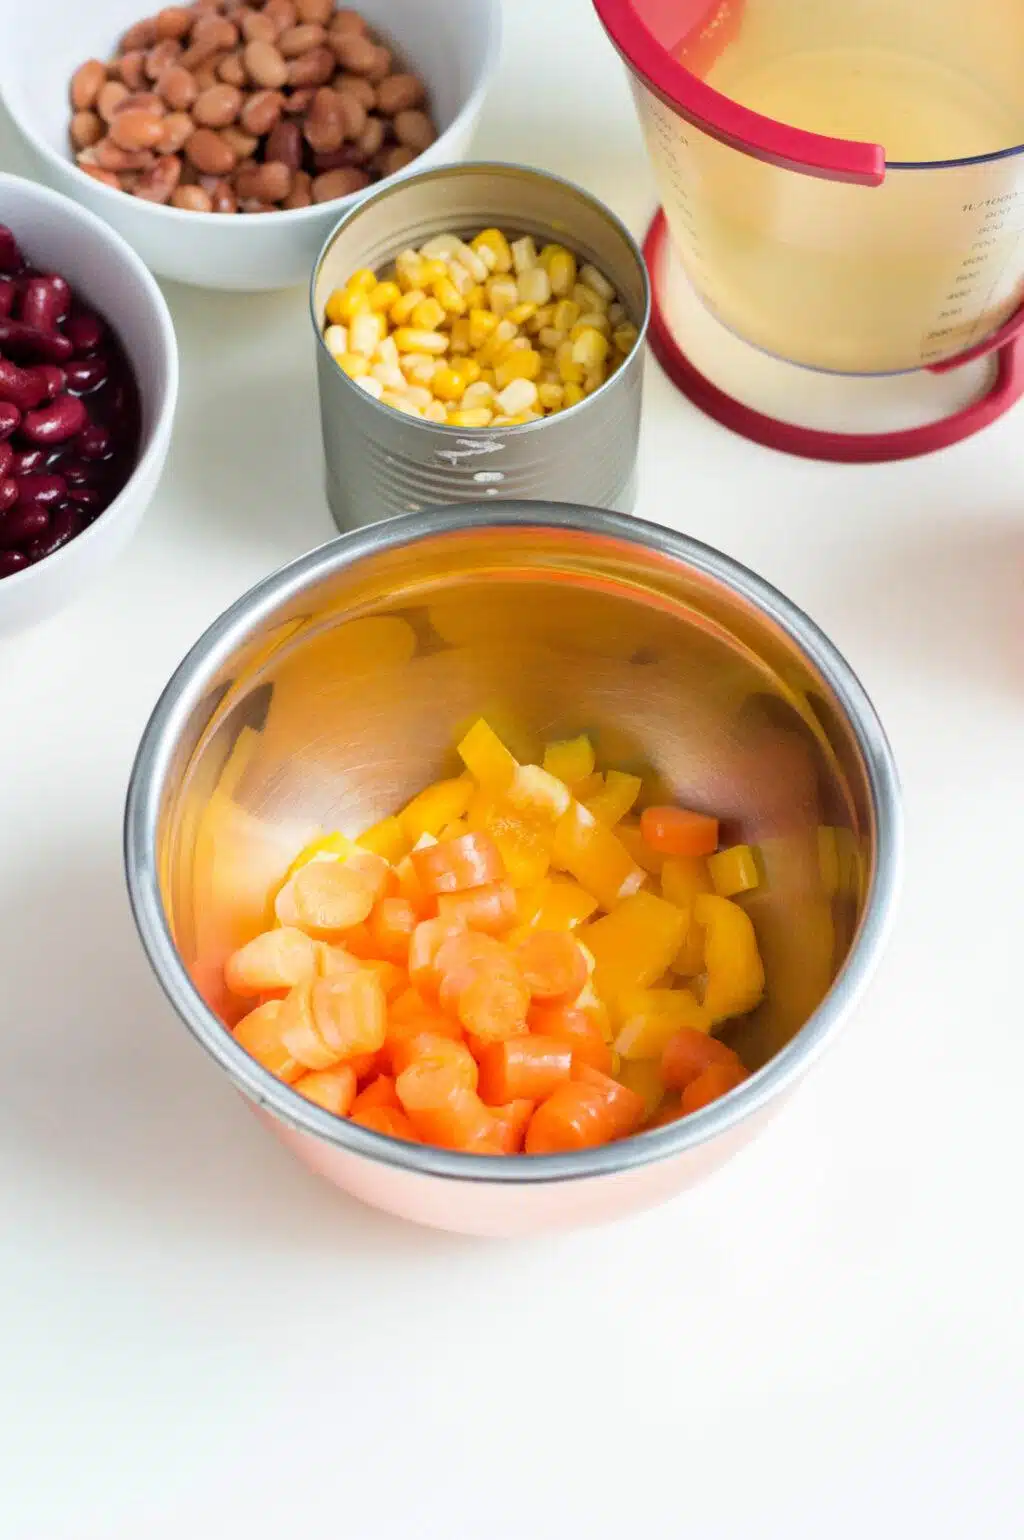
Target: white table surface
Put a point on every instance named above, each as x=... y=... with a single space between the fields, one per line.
x=825 y=1341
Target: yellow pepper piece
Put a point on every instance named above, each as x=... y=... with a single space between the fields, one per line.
x=523 y=839
x=733 y=871
x=588 y=787
x=455 y=830
x=689 y=960
x=558 y=903
x=614 y=802
x=644 y=1077
x=634 y=945
x=591 y=853
x=735 y=972
x=571 y=759
x=438 y=805
x=628 y=831
x=329 y=847
x=486 y=757
x=683 y=877
x=387 y=839
x=652 y=1017
x=538 y=793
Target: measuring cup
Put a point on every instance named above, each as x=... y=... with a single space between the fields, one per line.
x=844 y=183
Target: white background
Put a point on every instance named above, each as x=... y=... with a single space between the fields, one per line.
x=825 y=1341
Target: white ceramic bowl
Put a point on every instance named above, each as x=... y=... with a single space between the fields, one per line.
x=56 y=234
x=453 y=44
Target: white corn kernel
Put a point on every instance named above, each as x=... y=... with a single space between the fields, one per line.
x=625 y=338
x=534 y=287
x=336 y=340
x=519 y=396
x=388 y=376
x=401 y=403
x=365 y=333
x=588 y=298
x=440 y=247
x=386 y=352
x=551 y=338
x=419 y=368
x=524 y=254
x=596 y=280
x=477 y=394
x=435 y=412
x=595 y=318
x=473 y=263
x=419 y=395
x=372 y=387
x=617 y=314
x=503 y=294
x=460 y=275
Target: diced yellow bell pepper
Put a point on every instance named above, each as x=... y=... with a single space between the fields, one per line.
x=628 y=831
x=329 y=847
x=689 y=960
x=523 y=840
x=634 y=945
x=733 y=871
x=538 y=793
x=438 y=805
x=683 y=877
x=652 y=1017
x=455 y=830
x=735 y=972
x=644 y=1077
x=571 y=759
x=486 y=757
x=558 y=903
x=591 y=853
x=588 y=787
x=387 y=839
x=614 y=802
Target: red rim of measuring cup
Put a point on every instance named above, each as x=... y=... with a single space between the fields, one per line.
x=793 y=149
x=817 y=444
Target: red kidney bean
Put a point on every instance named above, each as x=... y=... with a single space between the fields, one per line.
x=8 y=494
x=56 y=422
x=89 y=500
x=11 y=259
x=10 y=419
x=12 y=562
x=77 y=473
x=52 y=377
x=21 y=525
x=6 y=460
x=8 y=294
x=23 y=387
x=85 y=331
x=42 y=490
x=65 y=524
x=27 y=461
x=28 y=341
x=94 y=442
x=85 y=374
x=45 y=302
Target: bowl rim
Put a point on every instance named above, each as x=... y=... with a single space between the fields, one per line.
x=190 y=681
x=166 y=348
x=114 y=198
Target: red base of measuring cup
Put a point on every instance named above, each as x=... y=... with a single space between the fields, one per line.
x=814 y=443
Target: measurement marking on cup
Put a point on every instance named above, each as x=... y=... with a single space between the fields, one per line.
x=468 y=449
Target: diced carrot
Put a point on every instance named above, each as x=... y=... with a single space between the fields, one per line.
x=391 y=925
x=427 y=940
x=349 y=1011
x=407 y=1006
x=626 y=1109
x=674 y=831
x=493 y=1002
x=376 y=871
x=416 y=1039
x=276 y=960
x=260 y=1035
x=575 y=1117
x=452 y=866
x=299 y=1032
x=578 y=1029
x=458 y=959
x=512 y=1121
x=715 y=1081
x=552 y=965
x=689 y=1053
x=359 y=943
x=332 y=960
x=328 y=898
x=379 y=1093
x=332 y=1089
x=525 y=1068
x=367 y=1066
x=492 y=909
x=387 y=1120
x=393 y=979
x=442 y=1107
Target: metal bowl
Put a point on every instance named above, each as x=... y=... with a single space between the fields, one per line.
x=334 y=690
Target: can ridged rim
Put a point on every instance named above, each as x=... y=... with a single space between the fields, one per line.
x=221 y=641
x=493 y=168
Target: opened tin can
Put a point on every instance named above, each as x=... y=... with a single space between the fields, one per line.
x=381 y=462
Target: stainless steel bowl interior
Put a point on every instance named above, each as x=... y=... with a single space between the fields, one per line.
x=336 y=690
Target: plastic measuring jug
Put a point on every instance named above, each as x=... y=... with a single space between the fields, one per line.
x=843 y=183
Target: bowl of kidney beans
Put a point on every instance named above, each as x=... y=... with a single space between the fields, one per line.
x=88 y=379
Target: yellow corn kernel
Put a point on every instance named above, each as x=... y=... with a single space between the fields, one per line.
x=551 y=397
x=590 y=349
x=561 y=266
x=570 y=759
x=468 y=368
x=503 y=295
x=595 y=279
x=386 y=352
x=567 y=313
x=733 y=871
x=363 y=281
x=344 y=305
x=552 y=340
x=543 y=317
x=534 y=287
x=418 y=368
x=625 y=338
x=470 y=417
x=438 y=805
x=336 y=340
x=494 y=350
x=594 y=379
x=387 y=839
x=437 y=413
x=482 y=326
x=574 y=394
x=410 y=270
x=448 y=297
x=460 y=335
x=434 y=269
x=419 y=396
x=447 y=384
x=517 y=397
x=384 y=295
x=476 y=297
x=569 y=371
x=444 y=245
x=520 y=314
x=486 y=757
x=428 y=315
x=588 y=298
x=403 y=308
x=495 y=250
x=524 y=364
x=478 y=393
x=366 y=333
x=390 y=376
x=355 y=365
x=489 y=377
x=593 y=319
x=474 y=264
x=411 y=339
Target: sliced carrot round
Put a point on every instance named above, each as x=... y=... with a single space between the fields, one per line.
x=300 y=1033
x=451 y=866
x=552 y=965
x=717 y=1080
x=330 y=897
x=523 y=1069
x=387 y=1120
x=260 y=1035
x=575 y=1117
x=442 y=1108
x=626 y=1109
x=427 y=940
x=391 y=925
x=511 y=1123
x=493 y=1002
x=379 y=1093
x=458 y=960
x=674 y=831
x=689 y=1053
x=439 y=1061
x=332 y=1089
x=276 y=960
x=413 y=1040
x=492 y=909
x=366 y=1066
x=578 y=1029
x=350 y=1012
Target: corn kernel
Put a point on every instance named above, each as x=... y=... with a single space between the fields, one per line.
x=503 y=294
x=436 y=413
x=400 y=402
x=567 y=313
x=491 y=352
x=403 y=308
x=552 y=339
x=482 y=325
x=475 y=417
x=534 y=287
x=363 y=280
x=574 y=394
x=472 y=262
x=594 y=279
x=524 y=255
x=355 y=365
x=445 y=245
x=588 y=298
x=519 y=396
x=524 y=364
x=449 y=298
x=365 y=333
x=545 y=316
x=336 y=340
x=569 y=371
x=594 y=320
x=411 y=339
x=551 y=397
x=625 y=338
x=476 y=297
x=461 y=335
x=344 y=305
x=617 y=314
x=389 y=376
x=589 y=349
x=520 y=314
x=419 y=368
x=384 y=295
x=493 y=242
x=428 y=315
x=419 y=396
x=561 y=268
x=372 y=387
x=409 y=266
x=595 y=378
x=479 y=393
x=386 y=352
x=468 y=368
x=460 y=276
x=488 y=377
x=447 y=384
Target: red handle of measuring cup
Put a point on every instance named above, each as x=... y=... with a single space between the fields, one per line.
x=654 y=36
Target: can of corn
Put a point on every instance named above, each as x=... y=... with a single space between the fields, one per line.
x=382 y=461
